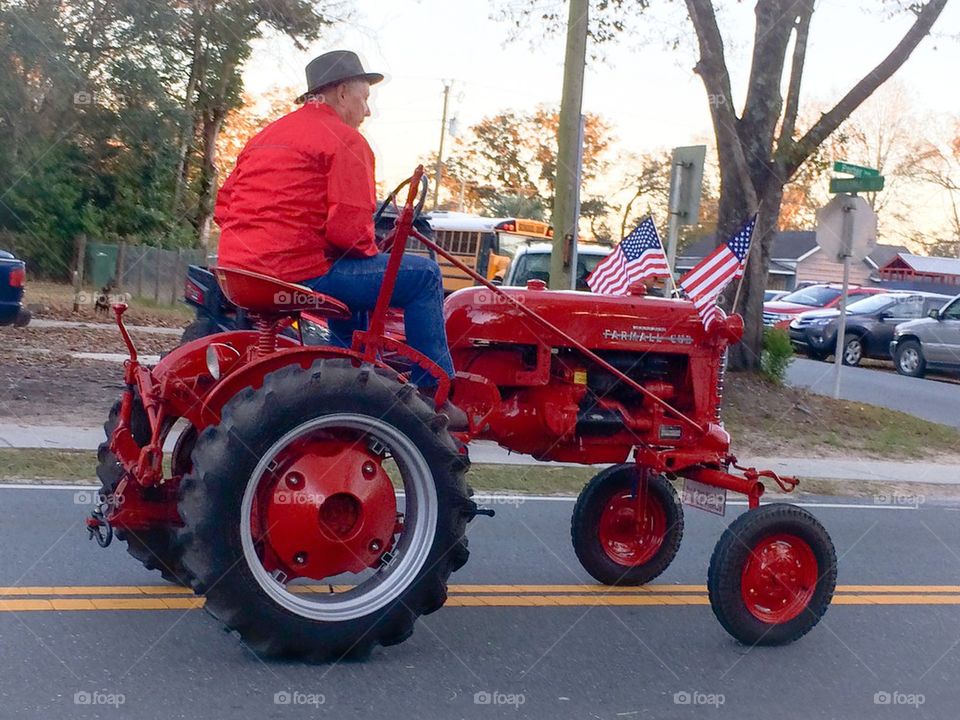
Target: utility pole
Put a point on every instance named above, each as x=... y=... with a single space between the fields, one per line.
x=565 y=218
x=447 y=84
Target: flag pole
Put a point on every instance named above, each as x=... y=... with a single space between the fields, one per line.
x=746 y=262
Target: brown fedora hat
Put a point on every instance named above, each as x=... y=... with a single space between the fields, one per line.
x=333 y=68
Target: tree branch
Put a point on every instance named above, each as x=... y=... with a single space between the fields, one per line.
x=712 y=69
x=796 y=74
x=832 y=119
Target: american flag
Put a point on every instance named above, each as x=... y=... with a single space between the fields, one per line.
x=704 y=283
x=639 y=255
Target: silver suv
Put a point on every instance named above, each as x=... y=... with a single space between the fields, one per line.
x=932 y=343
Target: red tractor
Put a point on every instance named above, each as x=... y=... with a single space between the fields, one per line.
x=319 y=503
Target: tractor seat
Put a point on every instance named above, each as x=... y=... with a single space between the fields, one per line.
x=264 y=295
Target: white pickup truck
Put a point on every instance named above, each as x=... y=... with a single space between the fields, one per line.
x=532 y=262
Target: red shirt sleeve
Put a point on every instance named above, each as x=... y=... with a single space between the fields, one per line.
x=351 y=198
x=223 y=197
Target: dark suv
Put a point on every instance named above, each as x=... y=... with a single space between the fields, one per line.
x=870 y=325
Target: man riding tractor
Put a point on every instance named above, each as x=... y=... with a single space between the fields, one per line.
x=319 y=503
x=299 y=207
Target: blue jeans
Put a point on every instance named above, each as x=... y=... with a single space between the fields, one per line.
x=419 y=291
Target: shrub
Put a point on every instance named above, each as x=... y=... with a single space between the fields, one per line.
x=777 y=354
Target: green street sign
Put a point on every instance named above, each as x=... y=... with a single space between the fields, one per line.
x=858 y=171
x=868 y=183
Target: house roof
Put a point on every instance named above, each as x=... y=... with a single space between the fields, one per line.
x=931 y=265
x=789 y=245
x=882 y=254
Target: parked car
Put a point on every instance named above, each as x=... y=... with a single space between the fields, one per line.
x=13 y=274
x=771 y=295
x=871 y=323
x=931 y=343
x=532 y=262
x=779 y=313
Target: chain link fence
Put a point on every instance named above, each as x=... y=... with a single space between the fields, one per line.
x=141 y=270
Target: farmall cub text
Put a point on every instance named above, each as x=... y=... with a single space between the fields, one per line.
x=319 y=503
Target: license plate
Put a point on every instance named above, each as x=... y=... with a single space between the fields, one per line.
x=705 y=497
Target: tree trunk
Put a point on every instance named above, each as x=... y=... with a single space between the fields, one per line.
x=212 y=123
x=746 y=354
x=189 y=130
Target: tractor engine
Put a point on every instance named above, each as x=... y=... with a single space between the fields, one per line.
x=533 y=392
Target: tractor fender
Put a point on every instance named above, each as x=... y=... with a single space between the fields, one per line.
x=251 y=374
x=182 y=376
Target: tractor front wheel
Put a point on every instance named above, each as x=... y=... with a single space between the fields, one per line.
x=772 y=575
x=295 y=528
x=626 y=530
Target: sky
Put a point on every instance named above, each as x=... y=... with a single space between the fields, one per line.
x=643 y=87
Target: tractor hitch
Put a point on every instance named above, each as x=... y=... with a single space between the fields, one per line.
x=99 y=528
x=471 y=510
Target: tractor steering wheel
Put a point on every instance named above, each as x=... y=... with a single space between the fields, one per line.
x=384 y=243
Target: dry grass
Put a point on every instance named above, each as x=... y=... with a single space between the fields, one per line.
x=767 y=420
x=56 y=301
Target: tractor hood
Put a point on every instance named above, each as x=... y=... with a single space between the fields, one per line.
x=477 y=317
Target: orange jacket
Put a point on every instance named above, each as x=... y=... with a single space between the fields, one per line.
x=301 y=195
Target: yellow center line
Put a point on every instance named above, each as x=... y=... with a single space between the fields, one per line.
x=143 y=591
x=481 y=601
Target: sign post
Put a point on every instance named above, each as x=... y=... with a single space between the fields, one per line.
x=846 y=250
x=847 y=227
x=686 y=179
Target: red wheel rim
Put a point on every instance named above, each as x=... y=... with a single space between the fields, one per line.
x=328 y=507
x=779 y=578
x=632 y=528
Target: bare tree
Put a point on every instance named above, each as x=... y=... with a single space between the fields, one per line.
x=760 y=148
x=938 y=164
x=757 y=160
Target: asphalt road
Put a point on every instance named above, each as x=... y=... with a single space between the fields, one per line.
x=930 y=398
x=865 y=660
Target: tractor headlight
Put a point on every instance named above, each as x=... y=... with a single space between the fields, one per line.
x=220 y=358
x=213 y=362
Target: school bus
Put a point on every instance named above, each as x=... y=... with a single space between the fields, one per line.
x=483 y=244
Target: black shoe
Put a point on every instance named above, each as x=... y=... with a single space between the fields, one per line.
x=456 y=418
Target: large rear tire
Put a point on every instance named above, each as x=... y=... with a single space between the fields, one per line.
x=155 y=548
x=234 y=512
x=612 y=541
x=201 y=327
x=772 y=575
